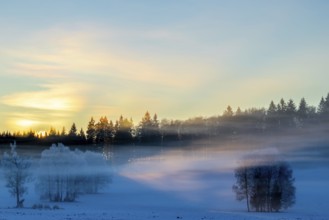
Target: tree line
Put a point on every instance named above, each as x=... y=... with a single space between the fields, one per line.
x=277 y=117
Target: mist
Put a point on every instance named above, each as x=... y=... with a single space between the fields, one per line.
x=202 y=172
x=181 y=175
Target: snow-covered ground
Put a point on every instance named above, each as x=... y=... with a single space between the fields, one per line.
x=179 y=184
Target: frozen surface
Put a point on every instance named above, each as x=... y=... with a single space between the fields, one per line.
x=179 y=184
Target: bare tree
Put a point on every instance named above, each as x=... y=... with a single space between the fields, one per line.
x=242 y=187
x=266 y=187
x=16 y=172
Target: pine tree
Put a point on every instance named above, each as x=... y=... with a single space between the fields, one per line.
x=272 y=119
x=104 y=131
x=282 y=107
x=123 y=131
x=327 y=104
x=291 y=113
x=156 y=135
x=238 y=112
x=302 y=110
x=73 y=131
x=91 y=131
x=52 y=132
x=272 y=109
x=63 y=132
x=148 y=130
x=322 y=106
x=82 y=135
x=291 y=107
x=228 y=112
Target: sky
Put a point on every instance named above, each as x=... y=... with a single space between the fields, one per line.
x=65 y=61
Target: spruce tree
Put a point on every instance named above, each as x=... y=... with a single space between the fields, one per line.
x=148 y=129
x=73 y=131
x=291 y=107
x=123 y=131
x=302 y=110
x=272 y=109
x=91 y=132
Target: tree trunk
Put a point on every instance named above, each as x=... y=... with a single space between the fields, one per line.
x=247 y=194
x=17 y=197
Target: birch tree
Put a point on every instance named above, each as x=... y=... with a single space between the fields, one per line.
x=16 y=173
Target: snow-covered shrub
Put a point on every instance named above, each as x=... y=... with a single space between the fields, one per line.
x=65 y=173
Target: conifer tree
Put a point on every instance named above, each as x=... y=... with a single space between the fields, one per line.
x=322 y=106
x=91 y=131
x=73 y=130
x=282 y=107
x=238 y=112
x=104 y=131
x=148 y=130
x=302 y=110
x=123 y=131
x=291 y=107
x=228 y=112
x=63 y=132
x=82 y=135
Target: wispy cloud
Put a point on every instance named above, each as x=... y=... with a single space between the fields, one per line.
x=62 y=53
x=37 y=70
x=56 y=97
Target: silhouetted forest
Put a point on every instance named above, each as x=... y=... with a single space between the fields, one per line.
x=276 y=118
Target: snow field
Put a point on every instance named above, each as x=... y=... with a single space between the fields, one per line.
x=177 y=185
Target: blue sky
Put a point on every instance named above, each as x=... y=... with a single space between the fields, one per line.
x=65 y=61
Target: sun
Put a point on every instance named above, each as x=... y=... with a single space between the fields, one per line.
x=25 y=123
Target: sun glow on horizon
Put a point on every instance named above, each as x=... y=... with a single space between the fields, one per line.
x=41 y=134
x=26 y=123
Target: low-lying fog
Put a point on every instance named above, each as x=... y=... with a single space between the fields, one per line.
x=202 y=174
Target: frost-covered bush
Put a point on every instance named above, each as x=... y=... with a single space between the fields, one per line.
x=65 y=173
x=95 y=172
x=16 y=174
